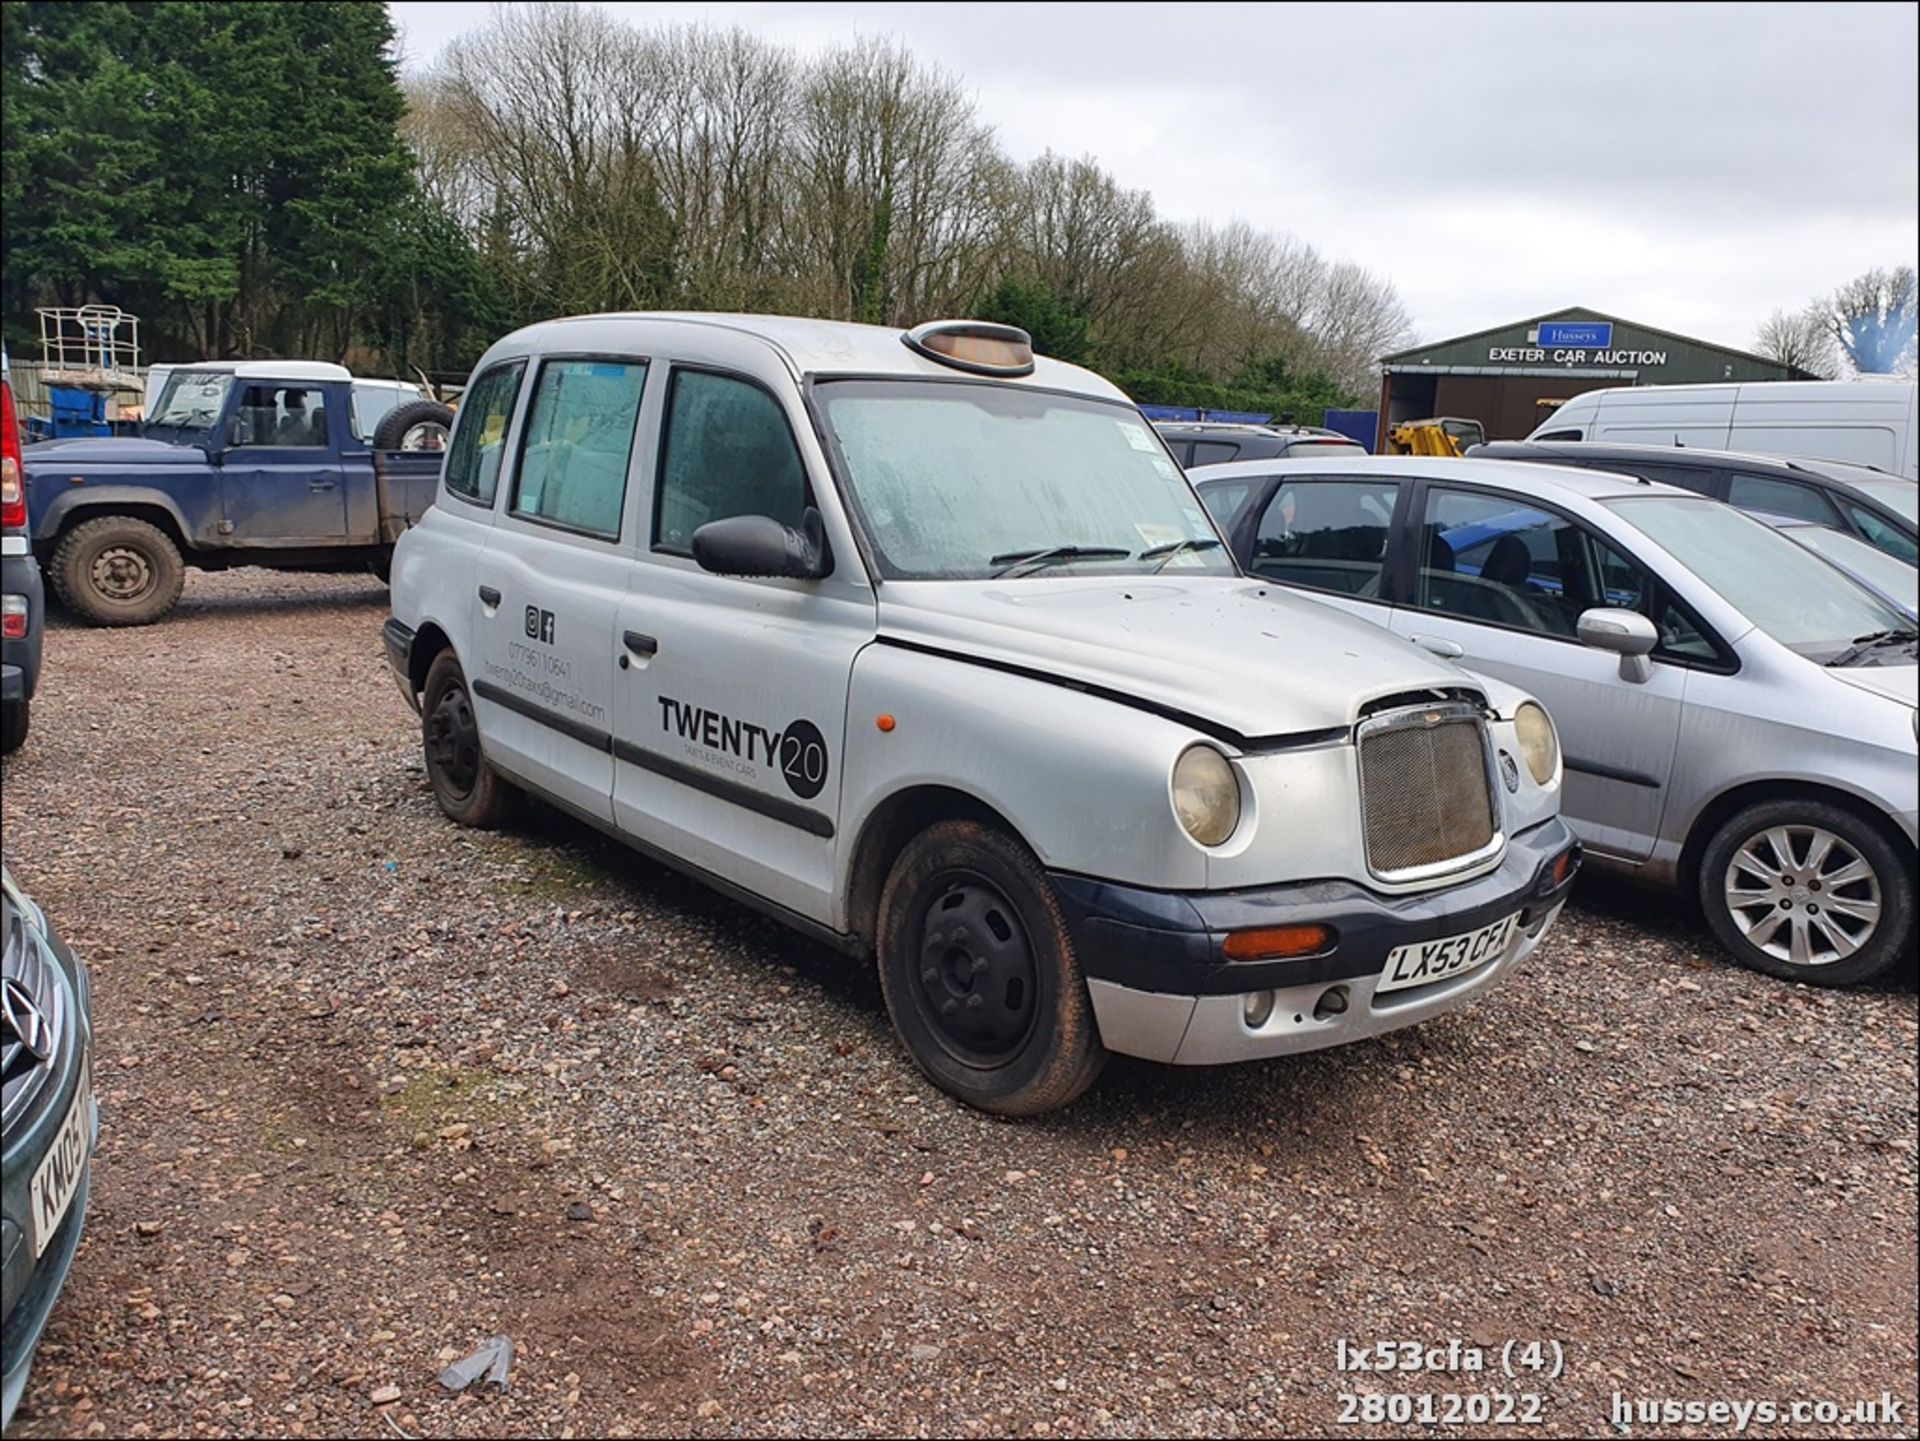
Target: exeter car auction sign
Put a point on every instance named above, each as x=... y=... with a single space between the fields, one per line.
x=1572 y=342
x=1571 y=355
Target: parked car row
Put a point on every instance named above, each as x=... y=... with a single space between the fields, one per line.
x=928 y=647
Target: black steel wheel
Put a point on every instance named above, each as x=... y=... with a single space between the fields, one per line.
x=468 y=789
x=980 y=975
x=976 y=980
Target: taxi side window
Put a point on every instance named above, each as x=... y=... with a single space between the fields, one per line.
x=728 y=452
x=480 y=433
x=577 y=442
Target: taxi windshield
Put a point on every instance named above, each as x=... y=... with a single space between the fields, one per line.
x=966 y=481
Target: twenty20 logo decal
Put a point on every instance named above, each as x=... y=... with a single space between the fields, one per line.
x=799 y=751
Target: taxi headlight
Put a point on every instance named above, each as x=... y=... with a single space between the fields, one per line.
x=1206 y=796
x=1539 y=746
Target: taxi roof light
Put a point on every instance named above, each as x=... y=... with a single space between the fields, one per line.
x=979 y=346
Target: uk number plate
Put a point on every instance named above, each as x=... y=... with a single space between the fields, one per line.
x=1424 y=962
x=54 y=1184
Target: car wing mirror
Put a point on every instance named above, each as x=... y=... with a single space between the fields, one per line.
x=1627 y=633
x=759 y=545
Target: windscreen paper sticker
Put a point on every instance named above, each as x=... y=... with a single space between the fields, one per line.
x=1138 y=438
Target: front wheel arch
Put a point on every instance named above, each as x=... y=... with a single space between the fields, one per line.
x=1729 y=803
x=162 y=518
x=887 y=829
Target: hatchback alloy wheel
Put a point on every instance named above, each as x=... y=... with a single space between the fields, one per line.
x=1803 y=895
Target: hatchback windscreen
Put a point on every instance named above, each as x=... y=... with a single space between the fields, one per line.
x=1902 y=497
x=1791 y=594
x=193 y=399
x=958 y=481
x=1888 y=574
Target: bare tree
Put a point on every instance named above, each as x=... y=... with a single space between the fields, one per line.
x=1872 y=317
x=562 y=105
x=600 y=166
x=1360 y=320
x=894 y=185
x=1800 y=339
x=723 y=166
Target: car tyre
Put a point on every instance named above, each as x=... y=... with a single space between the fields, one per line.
x=979 y=972
x=13 y=728
x=417 y=425
x=116 y=570
x=467 y=787
x=1808 y=891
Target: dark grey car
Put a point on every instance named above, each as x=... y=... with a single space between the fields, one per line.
x=1215 y=442
x=1882 y=509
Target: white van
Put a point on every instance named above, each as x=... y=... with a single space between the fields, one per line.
x=1863 y=422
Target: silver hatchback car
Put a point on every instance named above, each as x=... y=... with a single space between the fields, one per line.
x=1738 y=717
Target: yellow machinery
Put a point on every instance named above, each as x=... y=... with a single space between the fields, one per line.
x=1439 y=436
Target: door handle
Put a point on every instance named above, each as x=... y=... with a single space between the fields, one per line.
x=316 y=487
x=489 y=596
x=1445 y=649
x=641 y=644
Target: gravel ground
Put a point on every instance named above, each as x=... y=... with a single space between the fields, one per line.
x=374 y=1089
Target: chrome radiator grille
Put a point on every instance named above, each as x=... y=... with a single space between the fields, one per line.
x=1426 y=791
x=33 y=1020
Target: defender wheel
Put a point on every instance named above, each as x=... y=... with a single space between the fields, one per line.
x=1808 y=892
x=115 y=570
x=980 y=975
x=417 y=425
x=469 y=790
x=13 y=728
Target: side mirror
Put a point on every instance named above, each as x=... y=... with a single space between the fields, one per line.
x=1626 y=633
x=759 y=545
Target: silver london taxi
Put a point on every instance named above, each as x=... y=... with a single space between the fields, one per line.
x=927 y=647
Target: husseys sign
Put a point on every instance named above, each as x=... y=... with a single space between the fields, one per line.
x=1572 y=342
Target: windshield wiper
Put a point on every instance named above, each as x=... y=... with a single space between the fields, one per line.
x=1865 y=644
x=1165 y=553
x=1047 y=555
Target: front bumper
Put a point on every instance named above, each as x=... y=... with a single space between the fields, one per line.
x=398 y=640
x=20 y=659
x=1163 y=988
x=32 y=1286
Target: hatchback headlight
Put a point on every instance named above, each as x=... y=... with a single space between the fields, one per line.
x=1539 y=746
x=1206 y=796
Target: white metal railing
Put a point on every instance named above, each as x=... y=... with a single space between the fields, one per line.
x=94 y=347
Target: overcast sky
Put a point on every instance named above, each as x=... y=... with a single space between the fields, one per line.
x=1688 y=167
